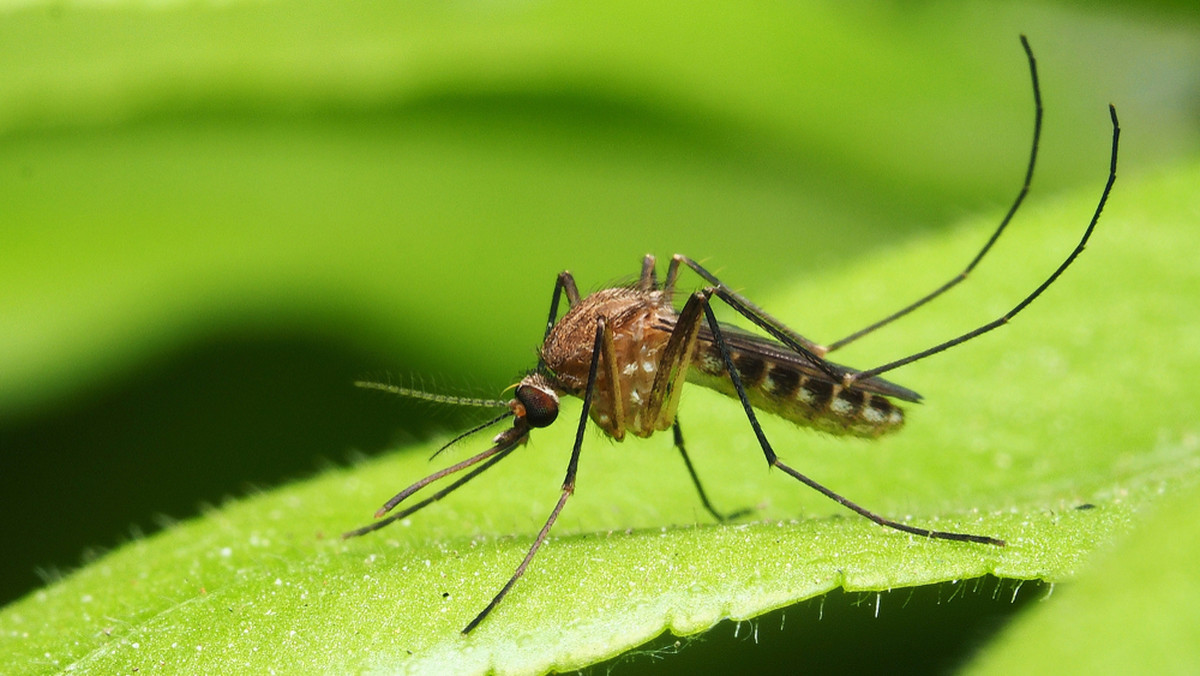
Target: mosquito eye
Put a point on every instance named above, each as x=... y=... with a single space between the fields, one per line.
x=541 y=407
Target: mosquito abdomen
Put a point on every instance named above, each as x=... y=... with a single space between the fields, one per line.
x=804 y=399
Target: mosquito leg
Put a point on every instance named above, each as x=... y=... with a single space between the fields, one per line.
x=508 y=439
x=648 y=281
x=773 y=459
x=673 y=363
x=1012 y=210
x=663 y=400
x=696 y=480
x=564 y=284
x=803 y=346
x=568 y=486
x=369 y=528
x=672 y=274
x=612 y=372
x=848 y=379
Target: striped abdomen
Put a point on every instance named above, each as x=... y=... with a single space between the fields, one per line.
x=810 y=400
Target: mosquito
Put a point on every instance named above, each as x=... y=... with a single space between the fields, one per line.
x=627 y=352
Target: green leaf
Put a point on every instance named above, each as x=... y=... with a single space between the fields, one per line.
x=1020 y=430
x=1134 y=608
x=1149 y=577
x=173 y=173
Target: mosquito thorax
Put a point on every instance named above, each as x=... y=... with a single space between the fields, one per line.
x=535 y=403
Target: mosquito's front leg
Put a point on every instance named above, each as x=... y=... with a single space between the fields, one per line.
x=564 y=284
x=612 y=371
x=568 y=485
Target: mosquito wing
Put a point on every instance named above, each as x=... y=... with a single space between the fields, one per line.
x=740 y=340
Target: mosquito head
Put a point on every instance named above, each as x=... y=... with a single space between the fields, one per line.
x=536 y=402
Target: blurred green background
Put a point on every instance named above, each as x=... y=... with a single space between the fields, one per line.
x=216 y=216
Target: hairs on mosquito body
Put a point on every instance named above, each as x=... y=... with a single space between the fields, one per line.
x=623 y=282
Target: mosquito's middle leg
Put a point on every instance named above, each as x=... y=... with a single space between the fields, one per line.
x=687 y=462
x=663 y=401
x=673 y=363
x=774 y=461
x=760 y=317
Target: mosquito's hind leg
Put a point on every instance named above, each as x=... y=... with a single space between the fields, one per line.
x=719 y=516
x=1012 y=210
x=850 y=378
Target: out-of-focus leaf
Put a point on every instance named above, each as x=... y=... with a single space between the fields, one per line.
x=1023 y=428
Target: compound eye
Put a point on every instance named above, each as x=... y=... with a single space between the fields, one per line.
x=541 y=407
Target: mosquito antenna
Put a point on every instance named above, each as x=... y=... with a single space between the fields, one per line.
x=478 y=428
x=1012 y=210
x=451 y=399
